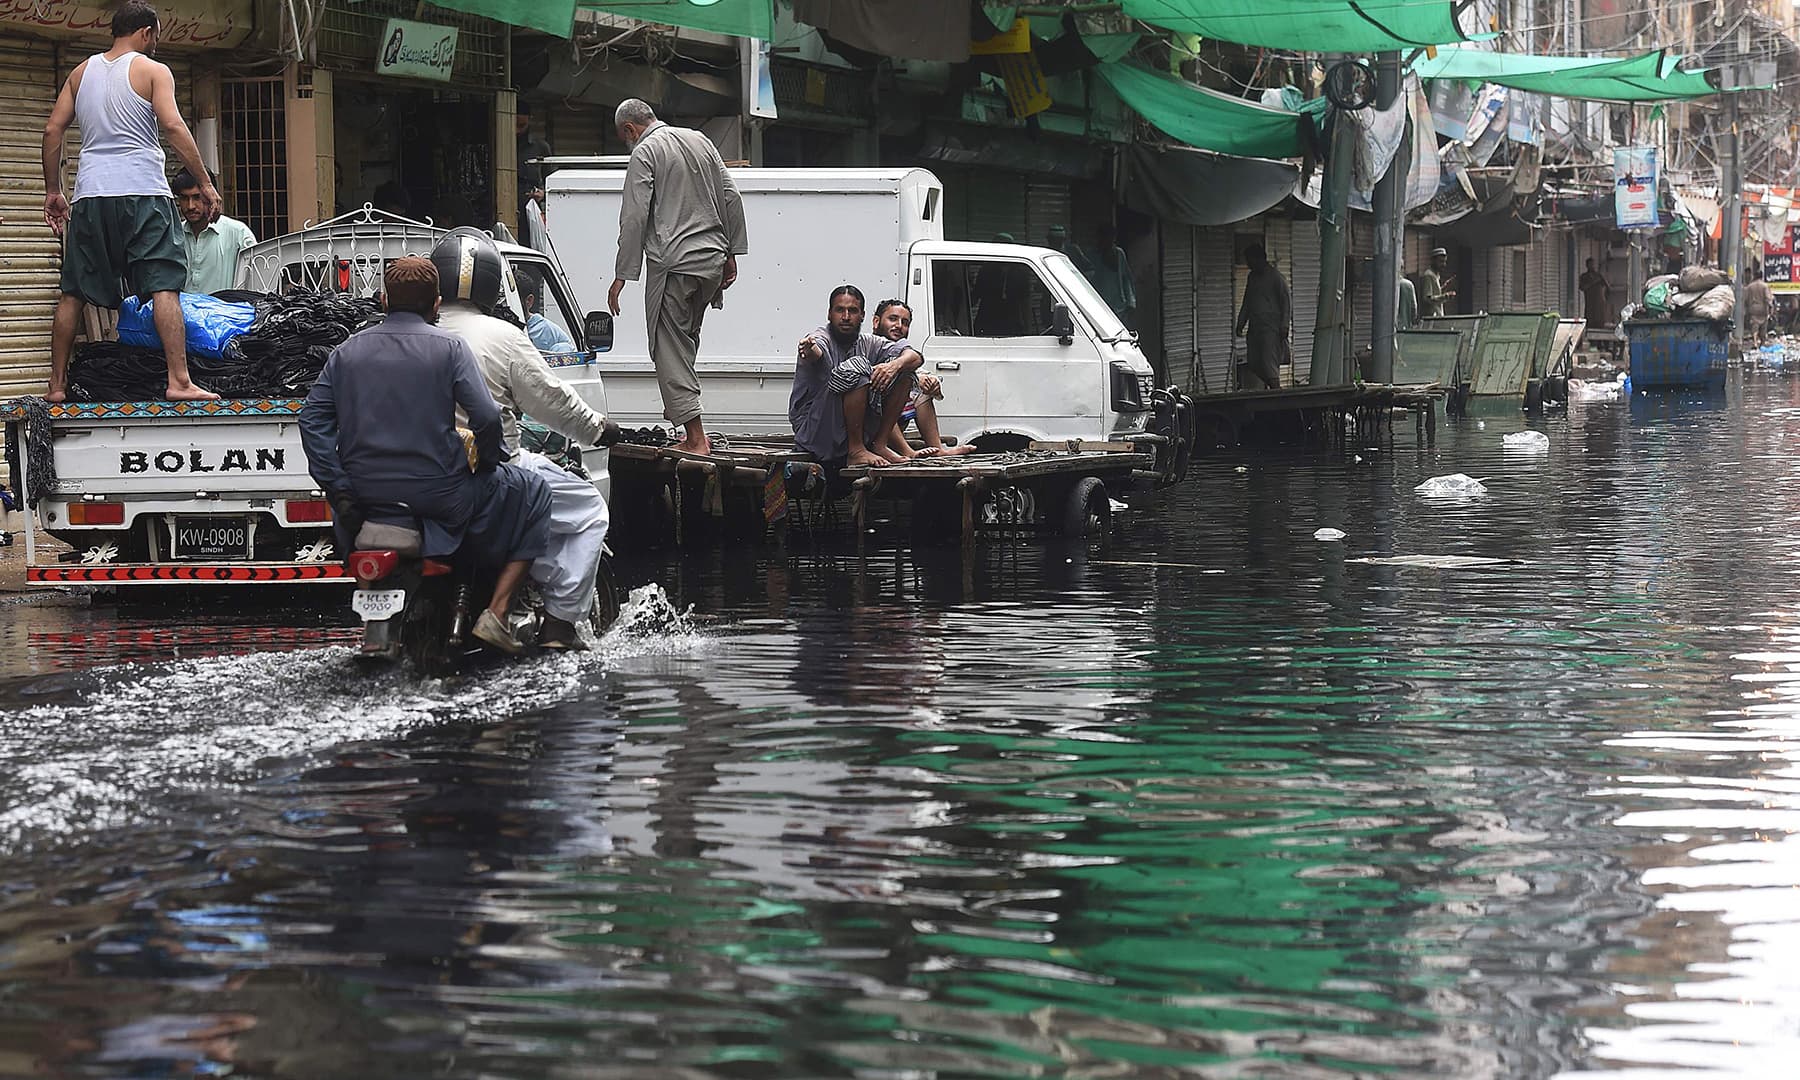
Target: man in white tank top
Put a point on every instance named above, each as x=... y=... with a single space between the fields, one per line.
x=120 y=234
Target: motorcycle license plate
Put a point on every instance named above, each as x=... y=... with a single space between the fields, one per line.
x=375 y=605
x=218 y=538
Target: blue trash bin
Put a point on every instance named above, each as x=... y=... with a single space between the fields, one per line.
x=1677 y=352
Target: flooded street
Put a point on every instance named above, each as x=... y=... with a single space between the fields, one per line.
x=1224 y=800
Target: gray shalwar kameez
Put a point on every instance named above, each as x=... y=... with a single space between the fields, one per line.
x=682 y=214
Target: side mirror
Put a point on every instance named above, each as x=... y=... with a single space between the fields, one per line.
x=597 y=331
x=1062 y=325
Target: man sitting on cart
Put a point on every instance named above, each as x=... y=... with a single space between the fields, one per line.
x=893 y=322
x=838 y=385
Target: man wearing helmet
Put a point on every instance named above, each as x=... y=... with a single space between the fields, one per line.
x=470 y=271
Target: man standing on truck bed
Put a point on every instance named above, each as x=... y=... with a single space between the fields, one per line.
x=682 y=214
x=122 y=225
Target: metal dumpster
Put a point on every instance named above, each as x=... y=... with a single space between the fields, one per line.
x=1677 y=352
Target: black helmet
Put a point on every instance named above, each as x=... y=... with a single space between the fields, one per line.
x=469 y=268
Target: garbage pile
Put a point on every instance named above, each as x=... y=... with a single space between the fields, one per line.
x=1698 y=292
x=288 y=340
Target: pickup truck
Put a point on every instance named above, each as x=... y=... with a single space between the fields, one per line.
x=158 y=492
x=1026 y=350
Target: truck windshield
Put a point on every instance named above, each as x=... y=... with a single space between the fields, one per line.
x=1106 y=323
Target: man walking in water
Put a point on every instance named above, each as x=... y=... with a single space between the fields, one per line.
x=681 y=213
x=123 y=226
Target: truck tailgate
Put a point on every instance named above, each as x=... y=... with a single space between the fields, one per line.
x=148 y=450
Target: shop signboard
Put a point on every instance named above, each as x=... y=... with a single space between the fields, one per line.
x=216 y=24
x=1634 y=187
x=417 y=50
x=1778 y=263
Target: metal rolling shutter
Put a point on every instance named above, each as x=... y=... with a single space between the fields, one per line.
x=1362 y=251
x=1178 y=305
x=30 y=255
x=1305 y=286
x=1047 y=203
x=1214 y=309
x=995 y=203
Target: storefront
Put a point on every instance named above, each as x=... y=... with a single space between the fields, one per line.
x=39 y=46
x=421 y=121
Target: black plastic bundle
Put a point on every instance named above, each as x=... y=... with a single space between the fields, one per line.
x=280 y=356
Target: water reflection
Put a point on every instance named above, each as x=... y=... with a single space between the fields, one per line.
x=1225 y=802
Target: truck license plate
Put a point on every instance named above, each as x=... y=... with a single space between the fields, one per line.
x=375 y=605
x=225 y=538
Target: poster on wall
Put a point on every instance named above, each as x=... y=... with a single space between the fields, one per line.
x=416 y=49
x=1634 y=187
x=1778 y=262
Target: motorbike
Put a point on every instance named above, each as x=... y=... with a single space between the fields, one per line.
x=420 y=611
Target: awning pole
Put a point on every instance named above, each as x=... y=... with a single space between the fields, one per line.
x=1390 y=225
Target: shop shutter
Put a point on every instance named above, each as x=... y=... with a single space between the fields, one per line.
x=996 y=204
x=1362 y=252
x=1047 y=203
x=574 y=132
x=1178 y=306
x=1214 y=309
x=1305 y=286
x=29 y=253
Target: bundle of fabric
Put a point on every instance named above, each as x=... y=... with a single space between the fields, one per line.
x=280 y=356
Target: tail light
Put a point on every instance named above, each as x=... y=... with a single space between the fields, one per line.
x=96 y=513
x=373 y=565
x=303 y=510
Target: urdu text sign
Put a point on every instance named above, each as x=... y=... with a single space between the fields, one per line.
x=421 y=50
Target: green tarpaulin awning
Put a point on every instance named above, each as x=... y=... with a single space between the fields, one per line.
x=1653 y=76
x=1308 y=25
x=551 y=16
x=1206 y=118
x=738 y=18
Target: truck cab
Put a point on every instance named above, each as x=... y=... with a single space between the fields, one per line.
x=159 y=492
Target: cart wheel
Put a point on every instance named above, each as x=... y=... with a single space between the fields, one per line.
x=1088 y=513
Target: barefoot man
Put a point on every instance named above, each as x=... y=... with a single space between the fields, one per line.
x=682 y=215
x=893 y=322
x=123 y=227
x=839 y=411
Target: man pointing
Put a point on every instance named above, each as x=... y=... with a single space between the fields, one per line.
x=681 y=214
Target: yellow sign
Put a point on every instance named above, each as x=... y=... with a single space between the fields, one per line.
x=1015 y=40
x=1027 y=91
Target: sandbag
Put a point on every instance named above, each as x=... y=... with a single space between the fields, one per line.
x=1698 y=279
x=211 y=323
x=1716 y=304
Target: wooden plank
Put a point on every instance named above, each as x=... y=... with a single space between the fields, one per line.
x=1082 y=464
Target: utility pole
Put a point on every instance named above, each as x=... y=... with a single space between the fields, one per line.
x=1731 y=205
x=1390 y=231
x=1331 y=328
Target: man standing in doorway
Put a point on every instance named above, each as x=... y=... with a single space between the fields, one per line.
x=1267 y=313
x=212 y=246
x=122 y=225
x=1434 y=299
x=680 y=213
x=1594 y=288
x=1759 y=304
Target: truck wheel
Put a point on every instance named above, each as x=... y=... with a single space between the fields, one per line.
x=1088 y=513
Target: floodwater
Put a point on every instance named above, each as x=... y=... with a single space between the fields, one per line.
x=1223 y=801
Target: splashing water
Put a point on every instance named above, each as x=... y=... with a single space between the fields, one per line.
x=131 y=729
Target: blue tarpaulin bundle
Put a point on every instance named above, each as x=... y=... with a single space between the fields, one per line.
x=211 y=323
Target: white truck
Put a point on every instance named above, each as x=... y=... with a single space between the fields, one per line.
x=1026 y=349
x=156 y=492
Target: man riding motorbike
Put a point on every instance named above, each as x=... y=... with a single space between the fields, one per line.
x=470 y=274
x=380 y=433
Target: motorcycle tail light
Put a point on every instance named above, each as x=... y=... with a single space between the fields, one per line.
x=373 y=565
x=433 y=568
x=300 y=510
x=96 y=513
